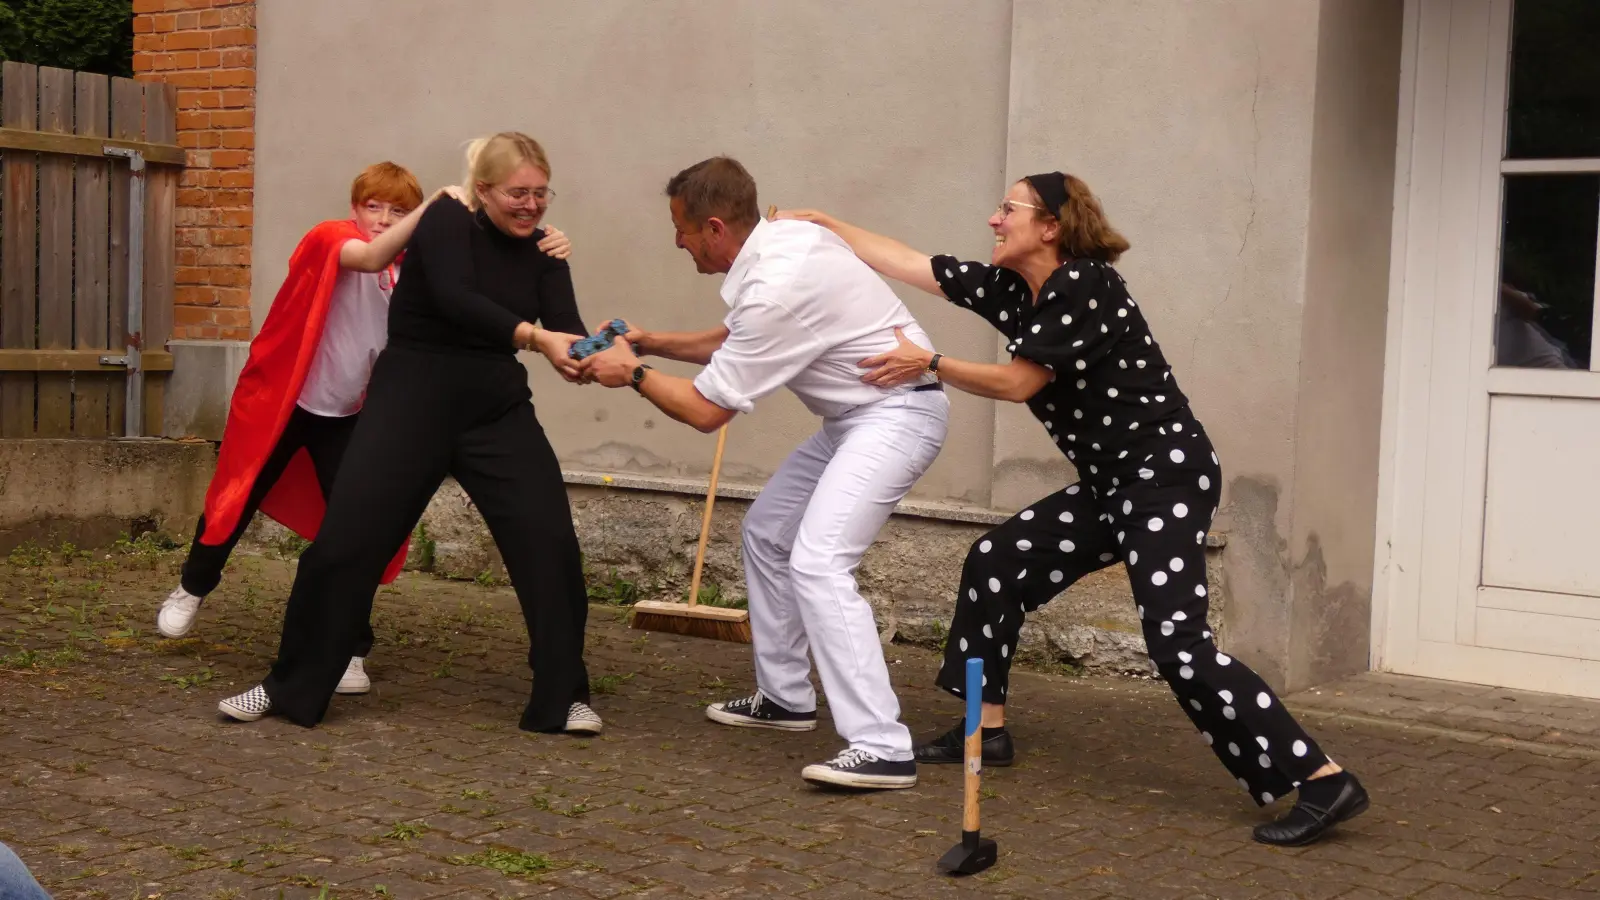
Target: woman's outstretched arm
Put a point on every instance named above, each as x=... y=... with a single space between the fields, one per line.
x=886 y=255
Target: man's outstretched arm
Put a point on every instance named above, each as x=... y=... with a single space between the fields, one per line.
x=677 y=397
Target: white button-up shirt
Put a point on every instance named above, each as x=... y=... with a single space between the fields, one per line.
x=803 y=313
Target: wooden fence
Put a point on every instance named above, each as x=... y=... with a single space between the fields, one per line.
x=80 y=154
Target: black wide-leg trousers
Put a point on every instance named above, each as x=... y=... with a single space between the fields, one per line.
x=1149 y=510
x=431 y=414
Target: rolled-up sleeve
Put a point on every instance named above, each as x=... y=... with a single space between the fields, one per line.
x=766 y=347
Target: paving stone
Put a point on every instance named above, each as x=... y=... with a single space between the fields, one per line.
x=1477 y=792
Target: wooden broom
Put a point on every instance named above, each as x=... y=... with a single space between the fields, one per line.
x=715 y=622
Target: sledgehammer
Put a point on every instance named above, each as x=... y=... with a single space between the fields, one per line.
x=974 y=853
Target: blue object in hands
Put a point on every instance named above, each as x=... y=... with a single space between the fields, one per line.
x=589 y=346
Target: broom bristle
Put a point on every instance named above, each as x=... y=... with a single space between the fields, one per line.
x=714 y=623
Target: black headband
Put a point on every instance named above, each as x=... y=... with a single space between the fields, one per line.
x=1052 y=190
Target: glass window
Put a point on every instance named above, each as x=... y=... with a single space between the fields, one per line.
x=1548 y=232
x=1555 y=80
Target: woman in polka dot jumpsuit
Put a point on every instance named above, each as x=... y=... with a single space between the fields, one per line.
x=1084 y=362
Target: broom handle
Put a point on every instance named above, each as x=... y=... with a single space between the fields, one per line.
x=705 y=521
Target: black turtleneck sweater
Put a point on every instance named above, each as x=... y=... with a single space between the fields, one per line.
x=467 y=285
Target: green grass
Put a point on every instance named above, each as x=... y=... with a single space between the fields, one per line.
x=615 y=590
x=41 y=659
x=406 y=831
x=507 y=862
x=608 y=684
x=711 y=595
x=185 y=682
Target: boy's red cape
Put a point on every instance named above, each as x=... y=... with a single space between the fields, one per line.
x=269 y=385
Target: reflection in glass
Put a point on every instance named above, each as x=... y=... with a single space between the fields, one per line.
x=1546 y=308
x=1555 y=80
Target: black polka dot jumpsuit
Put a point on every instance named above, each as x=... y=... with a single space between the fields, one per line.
x=1149 y=489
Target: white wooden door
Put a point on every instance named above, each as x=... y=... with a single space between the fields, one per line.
x=1489 y=549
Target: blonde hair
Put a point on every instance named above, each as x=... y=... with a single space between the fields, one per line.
x=1086 y=233
x=491 y=159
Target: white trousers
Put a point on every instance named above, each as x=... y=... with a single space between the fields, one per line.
x=803 y=539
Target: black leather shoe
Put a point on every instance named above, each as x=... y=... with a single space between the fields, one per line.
x=1308 y=822
x=950 y=747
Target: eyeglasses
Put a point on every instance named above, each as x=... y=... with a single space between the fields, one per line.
x=524 y=196
x=1007 y=207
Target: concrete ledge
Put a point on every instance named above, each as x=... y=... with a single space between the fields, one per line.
x=944 y=512
x=91 y=492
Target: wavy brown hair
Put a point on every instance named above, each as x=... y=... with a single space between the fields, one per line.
x=1085 y=231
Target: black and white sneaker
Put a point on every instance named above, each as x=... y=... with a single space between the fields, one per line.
x=759 y=711
x=860 y=769
x=248 y=706
x=583 y=720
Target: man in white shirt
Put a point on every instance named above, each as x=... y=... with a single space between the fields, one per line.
x=803 y=313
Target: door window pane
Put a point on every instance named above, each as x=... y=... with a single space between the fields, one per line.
x=1555 y=80
x=1546 y=311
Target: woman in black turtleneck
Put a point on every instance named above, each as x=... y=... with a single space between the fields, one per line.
x=448 y=397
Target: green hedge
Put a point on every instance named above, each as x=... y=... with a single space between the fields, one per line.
x=86 y=35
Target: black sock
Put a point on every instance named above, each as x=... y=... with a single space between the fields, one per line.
x=1321 y=792
x=992 y=732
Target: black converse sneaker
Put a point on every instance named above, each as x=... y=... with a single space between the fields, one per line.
x=758 y=711
x=860 y=769
x=248 y=706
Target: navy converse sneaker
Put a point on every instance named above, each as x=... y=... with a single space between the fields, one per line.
x=860 y=769
x=757 y=711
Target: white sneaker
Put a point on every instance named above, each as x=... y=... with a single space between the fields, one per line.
x=248 y=706
x=177 y=613
x=355 y=680
x=583 y=720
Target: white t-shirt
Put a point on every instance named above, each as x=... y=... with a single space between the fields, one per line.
x=355 y=332
x=804 y=311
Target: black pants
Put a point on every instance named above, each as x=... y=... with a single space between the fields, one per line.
x=324 y=439
x=1149 y=510
x=431 y=414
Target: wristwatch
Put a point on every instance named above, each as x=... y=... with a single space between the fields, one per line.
x=638 y=375
x=933 y=364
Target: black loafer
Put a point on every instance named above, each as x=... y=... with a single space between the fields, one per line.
x=950 y=747
x=1308 y=822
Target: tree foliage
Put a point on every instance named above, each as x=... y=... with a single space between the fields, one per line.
x=86 y=35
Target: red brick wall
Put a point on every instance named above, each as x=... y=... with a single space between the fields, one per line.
x=207 y=49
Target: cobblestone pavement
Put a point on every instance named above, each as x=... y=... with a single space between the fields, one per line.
x=122 y=782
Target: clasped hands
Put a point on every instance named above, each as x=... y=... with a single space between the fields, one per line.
x=614 y=366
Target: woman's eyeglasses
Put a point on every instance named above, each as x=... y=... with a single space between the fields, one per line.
x=526 y=196
x=1007 y=207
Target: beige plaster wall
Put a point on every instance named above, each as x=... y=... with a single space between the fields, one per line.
x=1192 y=122
x=1341 y=372
x=892 y=114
